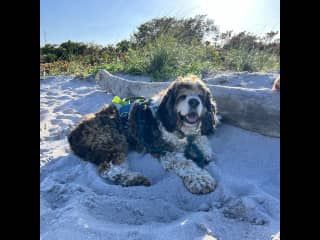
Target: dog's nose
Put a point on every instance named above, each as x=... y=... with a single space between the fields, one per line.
x=193 y=102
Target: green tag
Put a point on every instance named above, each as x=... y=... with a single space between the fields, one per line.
x=118 y=100
x=129 y=100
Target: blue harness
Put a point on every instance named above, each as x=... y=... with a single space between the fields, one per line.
x=127 y=104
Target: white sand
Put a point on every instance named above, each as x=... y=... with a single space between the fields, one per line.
x=77 y=204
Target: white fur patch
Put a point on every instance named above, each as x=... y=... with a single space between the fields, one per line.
x=201 y=141
x=191 y=130
x=173 y=138
x=183 y=107
x=115 y=170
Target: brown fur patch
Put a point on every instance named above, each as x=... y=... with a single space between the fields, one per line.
x=100 y=137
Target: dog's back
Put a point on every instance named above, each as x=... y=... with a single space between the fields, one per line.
x=99 y=137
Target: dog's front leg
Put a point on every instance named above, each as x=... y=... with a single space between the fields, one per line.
x=196 y=180
x=121 y=175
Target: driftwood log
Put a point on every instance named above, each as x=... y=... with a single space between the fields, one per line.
x=256 y=110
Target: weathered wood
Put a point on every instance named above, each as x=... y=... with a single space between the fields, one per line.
x=256 y=110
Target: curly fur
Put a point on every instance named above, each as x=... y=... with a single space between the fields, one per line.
x=100 y=138
x=209 y=119
x=94 y=138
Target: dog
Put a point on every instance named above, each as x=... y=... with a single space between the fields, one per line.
x=276 y=85
x=175 y=132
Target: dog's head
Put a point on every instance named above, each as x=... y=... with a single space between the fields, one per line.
x=187 y=106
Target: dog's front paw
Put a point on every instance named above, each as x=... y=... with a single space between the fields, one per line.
x=200 y=184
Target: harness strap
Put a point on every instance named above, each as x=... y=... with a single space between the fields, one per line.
x=192 y=151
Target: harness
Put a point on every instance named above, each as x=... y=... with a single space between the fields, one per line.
x=126 y=105
x=142 y=123
x=191 y=151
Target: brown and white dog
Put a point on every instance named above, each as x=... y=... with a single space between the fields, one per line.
x=276 y=84
x=186 y=108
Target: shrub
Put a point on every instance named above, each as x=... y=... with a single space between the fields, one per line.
x=136 y=62
x=166 y=57
x=242 y=60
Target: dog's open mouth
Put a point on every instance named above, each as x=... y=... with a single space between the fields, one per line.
x=191 y=118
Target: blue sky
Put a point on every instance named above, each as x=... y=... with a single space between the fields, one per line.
x=109 y=21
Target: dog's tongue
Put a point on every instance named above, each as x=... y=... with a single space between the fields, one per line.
x=192 y=117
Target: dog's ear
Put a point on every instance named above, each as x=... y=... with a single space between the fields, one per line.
x=209 y=120
x=166 y=112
